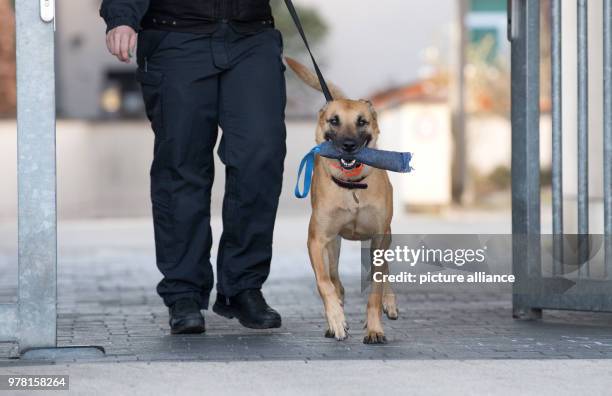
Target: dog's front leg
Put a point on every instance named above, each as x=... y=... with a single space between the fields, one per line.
x=336 y=321
x=333 y=248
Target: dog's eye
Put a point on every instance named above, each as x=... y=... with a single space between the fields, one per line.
x=328 y=137
x=334 y=121
x=361 y=122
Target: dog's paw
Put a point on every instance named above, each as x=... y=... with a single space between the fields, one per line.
x=375 y=337
x=390 y=307
x=391 y=311
x=338 y=330
x=336 y=324
x=339 y=333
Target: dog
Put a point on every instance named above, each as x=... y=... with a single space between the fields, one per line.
x=351 y=201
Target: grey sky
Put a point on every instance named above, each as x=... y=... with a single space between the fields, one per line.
x=375 y=43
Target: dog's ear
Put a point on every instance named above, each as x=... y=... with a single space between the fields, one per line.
x=371 y=107
x=310 y=78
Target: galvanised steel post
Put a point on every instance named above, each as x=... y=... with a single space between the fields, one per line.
x=525 y=37
x=583 y=138
x=607 y=15
x=557 y=137
x=32 y=321
x=36 y=172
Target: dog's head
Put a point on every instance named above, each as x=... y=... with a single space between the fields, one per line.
x=348 y=124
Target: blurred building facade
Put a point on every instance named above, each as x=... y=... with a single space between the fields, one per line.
x=8 y=97
x=91 y=84
x=416 y=118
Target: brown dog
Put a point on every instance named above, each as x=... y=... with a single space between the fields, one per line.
x=351 y=201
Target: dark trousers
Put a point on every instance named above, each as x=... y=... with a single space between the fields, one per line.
x=192 y=84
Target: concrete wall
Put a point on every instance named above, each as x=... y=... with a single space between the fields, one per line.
x=103 y=169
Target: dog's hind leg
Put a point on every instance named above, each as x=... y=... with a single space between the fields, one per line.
x=374 y=330
x=388 y=300
x=336 y=321
x=333 y=250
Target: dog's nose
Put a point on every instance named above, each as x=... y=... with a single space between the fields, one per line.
x=349 y=145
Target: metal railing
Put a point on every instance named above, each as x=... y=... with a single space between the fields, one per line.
x=535 y=289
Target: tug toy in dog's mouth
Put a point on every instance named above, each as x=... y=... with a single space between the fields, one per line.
x=388 y=160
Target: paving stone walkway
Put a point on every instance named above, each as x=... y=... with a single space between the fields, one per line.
x=107 y=298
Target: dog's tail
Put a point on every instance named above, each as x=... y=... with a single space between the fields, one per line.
x=310 y=78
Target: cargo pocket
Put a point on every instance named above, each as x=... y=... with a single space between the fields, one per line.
x=161 y=182
x=163 y=221
x=151 y=83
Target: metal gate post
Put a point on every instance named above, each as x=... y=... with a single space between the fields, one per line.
x=32 y=322
x=524 y=33
x=36 y=175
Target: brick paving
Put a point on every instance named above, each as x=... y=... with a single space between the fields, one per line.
x=107 y=298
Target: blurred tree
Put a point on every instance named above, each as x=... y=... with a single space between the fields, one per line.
x=302 y=100
x=8 y=99
x=314 y=25
x=488 y=79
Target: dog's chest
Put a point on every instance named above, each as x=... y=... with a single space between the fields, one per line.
x=360 y=219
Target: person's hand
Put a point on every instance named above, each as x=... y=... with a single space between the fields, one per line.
x=121 y=42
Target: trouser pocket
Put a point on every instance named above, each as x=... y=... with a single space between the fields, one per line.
x=163 y=220
x=148 y=43
x=151 y=83
x=161 y=183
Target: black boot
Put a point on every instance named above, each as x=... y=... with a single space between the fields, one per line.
x=186 y=318
x=250 y=308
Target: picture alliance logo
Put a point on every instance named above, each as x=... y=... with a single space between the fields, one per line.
x=424 y=255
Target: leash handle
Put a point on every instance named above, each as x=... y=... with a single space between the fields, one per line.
x=308 y=163
x=298 y=24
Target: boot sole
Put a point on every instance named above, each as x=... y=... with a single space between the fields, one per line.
x=231 y=314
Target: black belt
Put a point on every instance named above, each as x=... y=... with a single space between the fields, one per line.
x=199 y=25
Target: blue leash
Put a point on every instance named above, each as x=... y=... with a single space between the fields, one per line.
x=308 y=162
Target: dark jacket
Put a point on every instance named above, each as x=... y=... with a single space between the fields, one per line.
x=186 y=15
